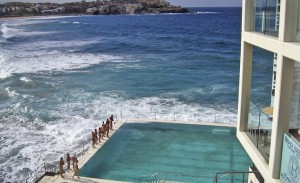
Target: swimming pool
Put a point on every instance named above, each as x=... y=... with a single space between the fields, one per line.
x=176 y=152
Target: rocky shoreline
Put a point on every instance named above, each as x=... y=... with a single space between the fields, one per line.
x=112 y=7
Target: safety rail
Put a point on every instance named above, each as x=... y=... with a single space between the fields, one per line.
x=155 y=114
x=42 y=170
x=164 y=176
x=47 y=169
x=233 y=177
x=259 y=128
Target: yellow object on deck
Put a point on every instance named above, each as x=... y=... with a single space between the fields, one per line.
x=268 y=110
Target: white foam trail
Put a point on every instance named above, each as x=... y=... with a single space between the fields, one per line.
x=205 y=12
x=58 y=44
x=67 y=22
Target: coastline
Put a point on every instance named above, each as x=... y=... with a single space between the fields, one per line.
x=36 y=17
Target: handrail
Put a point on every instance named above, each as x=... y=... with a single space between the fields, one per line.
x=230 y=173
x=259 y=128
x=154 y=114
x=47 y=169
x=153 y=177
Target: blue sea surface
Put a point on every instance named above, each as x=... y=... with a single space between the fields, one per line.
x=60 y=77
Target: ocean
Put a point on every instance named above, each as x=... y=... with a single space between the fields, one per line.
x=60 y=77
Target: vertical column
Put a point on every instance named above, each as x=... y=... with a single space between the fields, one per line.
x=281 y=112
x=244 y=86
x=245 y=66
x=288 y=20
x=248 y=15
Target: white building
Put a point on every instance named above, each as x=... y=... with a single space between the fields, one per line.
x=269 y=130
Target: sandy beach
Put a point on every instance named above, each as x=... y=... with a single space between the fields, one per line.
x=35 y=17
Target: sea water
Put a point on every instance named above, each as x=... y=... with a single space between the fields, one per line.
x=60 y=77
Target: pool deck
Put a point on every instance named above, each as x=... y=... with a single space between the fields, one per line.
x=90 y=153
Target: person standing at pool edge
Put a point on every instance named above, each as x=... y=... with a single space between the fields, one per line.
x=76 y=170
x=74 y=159
x=111 y=119
x=96 y=136
x=93 y=140
x=61 y=167
x=99 y=134
x=68 y=161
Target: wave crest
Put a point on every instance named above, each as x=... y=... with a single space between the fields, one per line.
x=53 y=61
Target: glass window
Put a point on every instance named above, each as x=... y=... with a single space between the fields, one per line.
x=298 y=22
x=295 y=108
x=267 y=16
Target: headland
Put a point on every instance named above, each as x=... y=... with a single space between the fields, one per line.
x=99 y=7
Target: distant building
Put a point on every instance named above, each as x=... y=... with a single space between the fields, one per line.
x=92 y=10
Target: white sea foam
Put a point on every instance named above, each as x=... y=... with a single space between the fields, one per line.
x=58 y=44
x=9 y=32
x=53 y=61
x=11 y=93
x=25 y=79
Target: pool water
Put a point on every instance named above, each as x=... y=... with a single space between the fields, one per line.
x=174 y=152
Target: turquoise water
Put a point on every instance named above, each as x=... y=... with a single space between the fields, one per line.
x=180 y=152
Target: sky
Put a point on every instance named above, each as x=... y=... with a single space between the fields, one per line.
x=184 y=3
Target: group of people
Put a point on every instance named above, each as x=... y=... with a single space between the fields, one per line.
x=97 y=135
x=103 y=131
x=74 y=165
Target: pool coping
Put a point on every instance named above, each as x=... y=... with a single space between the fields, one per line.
x=91 y=152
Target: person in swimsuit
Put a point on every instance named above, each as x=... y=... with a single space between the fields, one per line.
x=96 y=136
x=76 y=170
x=93 y=140
x=111 y=119
x=61 y=167
x=99 y=134
x=103 y=130
x=74 y=159
x=68 y=161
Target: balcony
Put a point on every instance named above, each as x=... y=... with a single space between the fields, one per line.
x=259 y=127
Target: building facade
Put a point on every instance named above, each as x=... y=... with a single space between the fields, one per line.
x=268 y=127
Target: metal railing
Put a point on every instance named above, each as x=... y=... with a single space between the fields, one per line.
x=44 y=169
x=164 y=176
x=232 y=177
x=48 y=169
x=259 y=129
x=154 y=114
